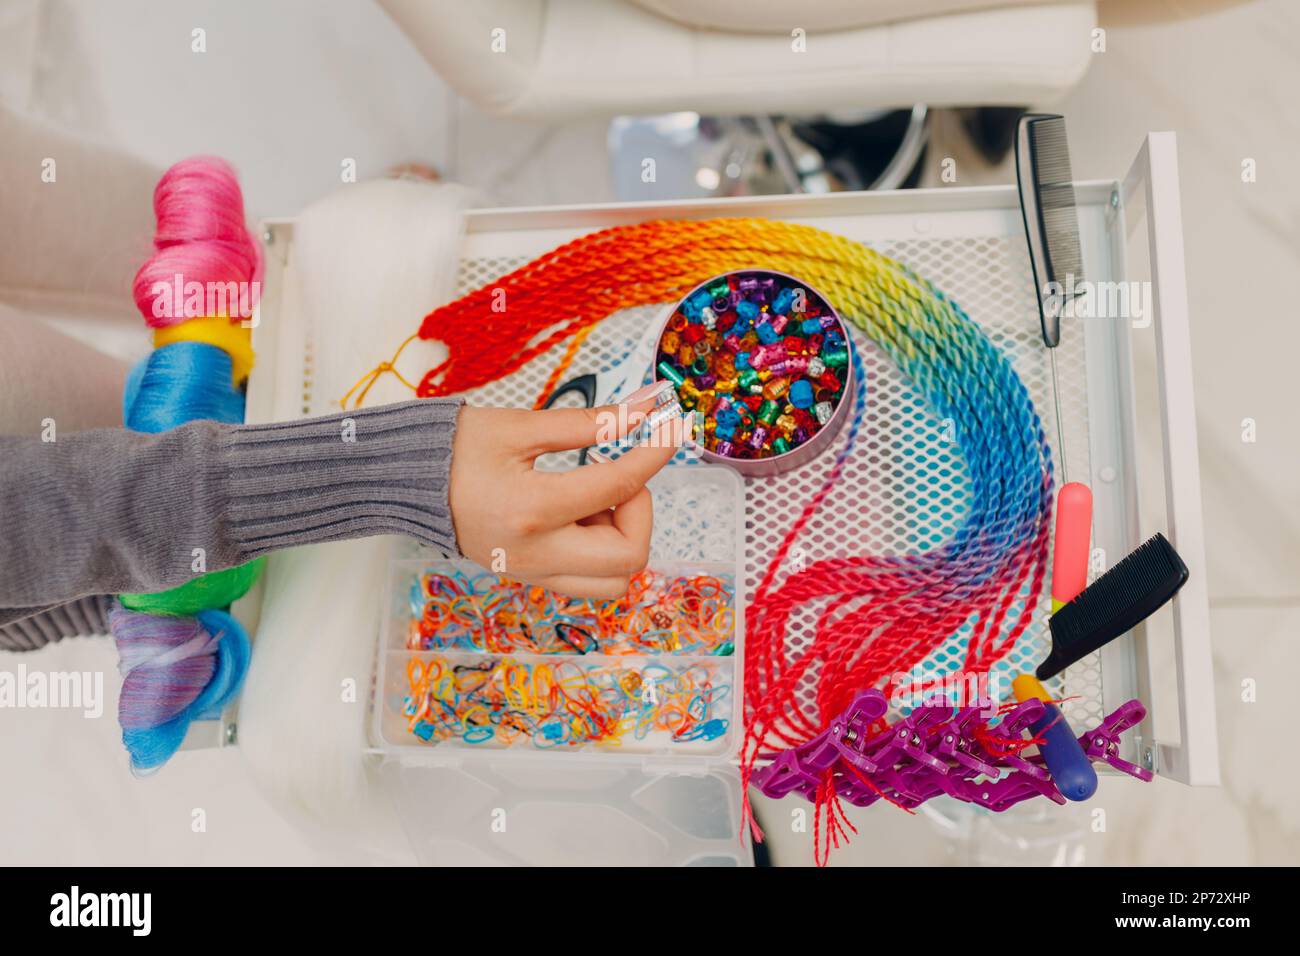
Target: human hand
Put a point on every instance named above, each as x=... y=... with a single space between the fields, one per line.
x=583 y=532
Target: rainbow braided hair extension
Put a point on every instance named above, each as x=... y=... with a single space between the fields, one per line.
x=182 y=655
x=876 y=617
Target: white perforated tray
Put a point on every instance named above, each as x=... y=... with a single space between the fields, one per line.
x=887 y=502
x=970 y=243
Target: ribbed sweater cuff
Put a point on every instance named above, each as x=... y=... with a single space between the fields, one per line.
x=372 y=471
x=84 y=617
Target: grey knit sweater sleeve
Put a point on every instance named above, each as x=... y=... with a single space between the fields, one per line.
x=106 y=511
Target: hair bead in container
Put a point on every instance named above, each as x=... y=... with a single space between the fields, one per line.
x=763 y=360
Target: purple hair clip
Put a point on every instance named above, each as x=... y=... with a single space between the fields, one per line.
x=957 y=743
x=936 y=750
x=1004 y=794
x=1102 y=742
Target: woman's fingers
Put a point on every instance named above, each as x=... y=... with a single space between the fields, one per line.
x=561 y=429
x=596 y=549
x=634 y=520
x=622 y=543
x=600 y=518
x=574 y=494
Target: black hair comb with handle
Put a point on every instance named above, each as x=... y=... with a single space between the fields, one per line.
x=1115 y=603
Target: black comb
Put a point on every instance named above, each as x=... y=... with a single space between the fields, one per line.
x=1051 y=217
x=1115 y=603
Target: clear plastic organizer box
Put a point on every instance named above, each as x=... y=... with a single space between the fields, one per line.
x=678 y=703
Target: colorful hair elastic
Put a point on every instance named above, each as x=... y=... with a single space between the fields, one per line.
x=505 y=702
x=182 y=656
x=875 y=616
x=660 y=614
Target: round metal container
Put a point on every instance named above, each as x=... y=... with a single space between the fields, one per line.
x=819 y=442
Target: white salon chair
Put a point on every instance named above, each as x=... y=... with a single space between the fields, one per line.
x=571 y=58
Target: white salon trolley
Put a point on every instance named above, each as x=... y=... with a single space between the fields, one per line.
x=1130 y=432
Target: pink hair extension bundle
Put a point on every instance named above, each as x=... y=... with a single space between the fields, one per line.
x=201 y=236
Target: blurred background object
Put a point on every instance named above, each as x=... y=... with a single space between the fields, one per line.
x=744 y=98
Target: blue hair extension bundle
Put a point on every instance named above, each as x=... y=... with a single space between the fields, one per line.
x=179 y=383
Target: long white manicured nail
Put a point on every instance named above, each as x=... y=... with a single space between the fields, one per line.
x=647 y=391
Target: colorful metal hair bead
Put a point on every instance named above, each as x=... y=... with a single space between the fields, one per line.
x=763 y=361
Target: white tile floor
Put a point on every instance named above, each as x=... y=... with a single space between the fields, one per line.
x=279 y=100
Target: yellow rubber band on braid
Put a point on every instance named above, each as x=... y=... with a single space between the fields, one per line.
x=229 y=336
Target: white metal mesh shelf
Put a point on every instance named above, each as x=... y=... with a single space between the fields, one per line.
x=894 y=498
x=903 y=487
